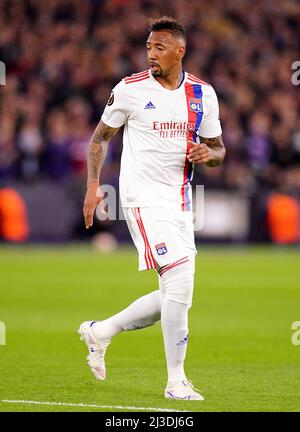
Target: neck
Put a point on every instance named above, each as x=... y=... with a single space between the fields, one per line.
x=173 y=80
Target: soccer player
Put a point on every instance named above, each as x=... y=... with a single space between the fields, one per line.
x=171 y=121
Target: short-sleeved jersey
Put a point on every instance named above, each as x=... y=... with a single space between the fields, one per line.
x=158 y=123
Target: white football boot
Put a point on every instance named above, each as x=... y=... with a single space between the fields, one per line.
x=183 y=390
x=97 y=348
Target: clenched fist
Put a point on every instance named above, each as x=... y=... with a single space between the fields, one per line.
x=198 y=153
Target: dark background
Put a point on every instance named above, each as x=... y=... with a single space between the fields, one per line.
x=64 y=56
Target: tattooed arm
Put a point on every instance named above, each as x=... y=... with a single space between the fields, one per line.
x=210 y=151
x=97 y=151
x=96 y=155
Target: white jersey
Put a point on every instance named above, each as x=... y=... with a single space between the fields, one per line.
x=158 y=122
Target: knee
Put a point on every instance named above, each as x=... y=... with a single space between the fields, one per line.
x=178 y=282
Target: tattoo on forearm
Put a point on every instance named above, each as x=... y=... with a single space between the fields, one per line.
x=97 y=150
x=95 y=161
x=217 y=146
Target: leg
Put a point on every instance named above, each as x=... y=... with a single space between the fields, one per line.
x=178 y=281
x=168 y=240
x=142 y=313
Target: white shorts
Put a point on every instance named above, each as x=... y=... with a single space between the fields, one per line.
x=162 y=236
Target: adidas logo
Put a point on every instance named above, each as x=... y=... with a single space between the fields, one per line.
x=183 y=341
x=150 y=106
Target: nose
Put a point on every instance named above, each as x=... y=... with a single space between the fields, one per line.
x=152 y=55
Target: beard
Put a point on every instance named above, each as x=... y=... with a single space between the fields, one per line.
x=157 y=72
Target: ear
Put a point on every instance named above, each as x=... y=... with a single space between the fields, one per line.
x=181 y=53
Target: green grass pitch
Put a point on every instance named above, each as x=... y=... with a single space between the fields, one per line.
x=240 y=352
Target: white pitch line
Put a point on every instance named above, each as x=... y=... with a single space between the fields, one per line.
x=89 y=406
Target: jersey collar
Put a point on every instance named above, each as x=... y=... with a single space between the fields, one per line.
x=162 y=87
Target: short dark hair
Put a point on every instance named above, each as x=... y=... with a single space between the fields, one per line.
x=168 y=24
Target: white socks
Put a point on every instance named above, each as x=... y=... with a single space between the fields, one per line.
x=143 y=312
x=174 y=323
x=178 y=283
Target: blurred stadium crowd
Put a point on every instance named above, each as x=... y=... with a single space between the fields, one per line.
x=64 y=56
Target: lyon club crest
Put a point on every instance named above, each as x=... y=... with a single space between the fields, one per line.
x=196 y=105
x=161 y=248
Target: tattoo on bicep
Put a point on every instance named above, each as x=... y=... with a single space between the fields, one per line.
x=103 y=133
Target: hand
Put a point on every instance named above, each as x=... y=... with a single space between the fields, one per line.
x=198 y=153
x=93 y=197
